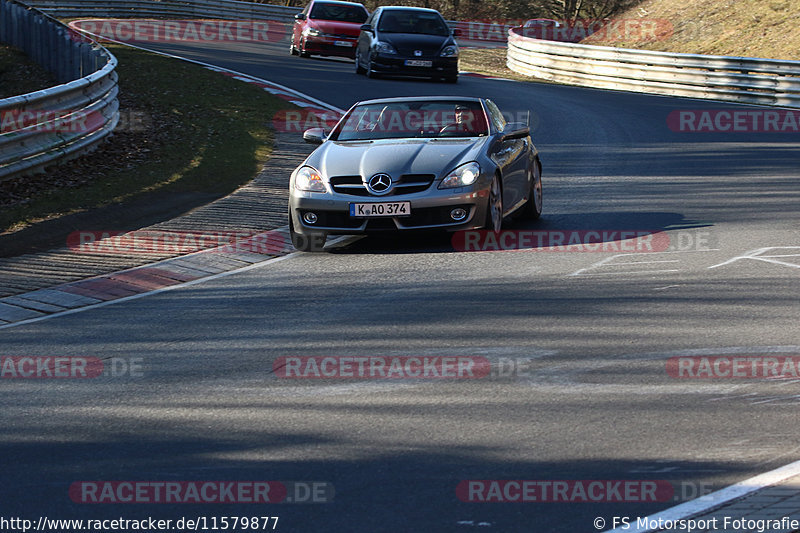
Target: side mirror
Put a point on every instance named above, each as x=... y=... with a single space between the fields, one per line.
x=300 y=16
x=456 y=32
x=366 y=27
x=314 y=136
x=515 y=131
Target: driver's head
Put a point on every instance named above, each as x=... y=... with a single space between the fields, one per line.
x=464 y=115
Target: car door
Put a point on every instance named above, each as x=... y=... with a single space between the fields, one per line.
x=365 y=39
x=510 y=157
x=297 y=27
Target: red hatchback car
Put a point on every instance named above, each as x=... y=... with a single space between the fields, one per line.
x=328 y=28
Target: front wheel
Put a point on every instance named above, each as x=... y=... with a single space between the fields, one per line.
x=533 y=209
x=359 y=68
x=306 y=242
x=494 y=207
x=371 y=73
x=302 y=50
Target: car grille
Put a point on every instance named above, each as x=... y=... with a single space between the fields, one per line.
x=409 y=52
x=407 y=184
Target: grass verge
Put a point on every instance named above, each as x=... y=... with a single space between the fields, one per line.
x=184 y=129
x=490 y=62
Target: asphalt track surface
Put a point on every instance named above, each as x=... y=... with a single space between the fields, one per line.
x=591 y=330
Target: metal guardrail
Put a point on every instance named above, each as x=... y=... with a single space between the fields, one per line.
x=739 y=79
x=49 y=126
x=223 y=10
x=218 y=9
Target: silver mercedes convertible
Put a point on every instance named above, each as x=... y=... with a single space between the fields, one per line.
x=402 y=164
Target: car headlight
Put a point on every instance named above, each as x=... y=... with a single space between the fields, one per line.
x=384 y=48
x=308 y=179
x=462 y=176
x=313 y=32
x=450 y=51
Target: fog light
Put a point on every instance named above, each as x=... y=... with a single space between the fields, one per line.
x=458 y=214
x=310 y=218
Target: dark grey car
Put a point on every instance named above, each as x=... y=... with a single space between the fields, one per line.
x=400 y=164
x=407 y=41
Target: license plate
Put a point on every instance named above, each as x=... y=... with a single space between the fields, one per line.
x=343 y=43
x=384 y=209
x=418 y=63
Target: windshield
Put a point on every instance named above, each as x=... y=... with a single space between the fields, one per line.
x=415 y=120
x=338 y=13
x=409 y=21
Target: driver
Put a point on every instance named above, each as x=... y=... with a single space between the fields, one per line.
x=464 y=121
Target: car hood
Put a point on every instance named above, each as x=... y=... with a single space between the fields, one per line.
x=406 y=43
x=394 y=156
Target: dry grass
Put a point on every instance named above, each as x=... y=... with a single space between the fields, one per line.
x=748 y=28
x=491 y=62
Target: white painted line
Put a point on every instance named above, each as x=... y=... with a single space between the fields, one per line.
x=744 y=256
x=756 y=255
x=646 y=262
x=715 y=499
x=594 y=265
x=776 y=399
x=606 y=261
x=629 y=272
x=784 y=263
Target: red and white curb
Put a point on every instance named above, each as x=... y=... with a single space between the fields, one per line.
x=139 y=281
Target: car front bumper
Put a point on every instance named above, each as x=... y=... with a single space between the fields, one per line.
x=326 y=45
x=446 y=67
x=429 y=210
